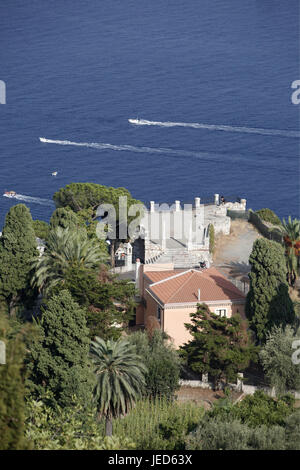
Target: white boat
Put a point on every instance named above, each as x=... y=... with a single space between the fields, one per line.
x=134 y=121
x=54 y=173
x=10 y=194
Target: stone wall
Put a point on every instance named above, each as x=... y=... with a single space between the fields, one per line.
x=266 y=229
x=239 y=386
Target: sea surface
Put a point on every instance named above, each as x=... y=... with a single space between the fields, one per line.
x=211 y=78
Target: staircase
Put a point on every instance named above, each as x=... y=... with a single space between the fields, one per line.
x=176 y=252
x=181 y=258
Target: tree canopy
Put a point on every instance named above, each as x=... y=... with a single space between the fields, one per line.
x=59 y=356
x=108 y=301
x=12 y=388
x=18 y=249
x=276 y=358
x=268 y=302
x=65 y=250
x=84 y=199
x=219 y=346
x=162 y=361
x=119 y=378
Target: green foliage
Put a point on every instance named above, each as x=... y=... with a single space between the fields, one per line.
x=59 y=357
x=276 y=356
x=65 y=218
x=255 y=410
x=257 y=422
x=159 y=423
x=12 y=390
x=108 y=301
x=220 y=346
x=268 y=302
x=18 y=248
x=268 y=216
x=211 y=239
x=84 y=199
x=215 y=434
x=65 y=250
x=71 y=428
x=291 y=228
x=119 y=378
x=292 y=431
x=83 y=196
x=41 y=229
x=291 y=238
x=261 y=409
x=162 y=361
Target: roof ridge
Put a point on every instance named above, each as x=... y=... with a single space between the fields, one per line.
x=181 y=287
x=169 y=278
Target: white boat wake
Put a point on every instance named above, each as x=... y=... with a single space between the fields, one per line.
x=216 y=127
x=31 y=200
x=131 y=148
x=209 y=156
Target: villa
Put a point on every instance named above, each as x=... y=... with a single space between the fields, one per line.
x=170 y=295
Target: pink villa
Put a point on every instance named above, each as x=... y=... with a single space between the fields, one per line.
x=171 y=295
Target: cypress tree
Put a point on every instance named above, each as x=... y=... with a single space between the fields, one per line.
x=59 y=362
x=268 y=302
x=18 y=248
x=12 y=391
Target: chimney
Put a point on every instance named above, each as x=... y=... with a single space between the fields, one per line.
x=217 y=199
x=199 y=295
x=197 y=202
x=137 y=273
x=152 y=206
x=177 y=206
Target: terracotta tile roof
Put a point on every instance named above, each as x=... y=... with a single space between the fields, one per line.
x=182 y=287
x=156 y=276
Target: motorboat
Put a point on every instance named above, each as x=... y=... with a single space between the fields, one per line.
x=10 y=194
x=54 y=173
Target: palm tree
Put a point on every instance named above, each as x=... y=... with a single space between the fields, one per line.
x=119 y=378
x=291 y=238
x=65 y=249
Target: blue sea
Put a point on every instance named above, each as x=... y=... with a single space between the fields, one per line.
x=77 y=70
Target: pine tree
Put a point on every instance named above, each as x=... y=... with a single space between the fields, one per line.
x=268 y=301
x=219 y=346
x=59 y=358
x=65 y=218
x=18 y=248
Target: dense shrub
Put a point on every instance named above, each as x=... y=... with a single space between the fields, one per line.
x=268 y=216
x=162 y=361
x=216 y=434
x=68 y=428
x=255 y=410
x=275 y=357
x=292 y=431
x=41 y=229
x=158 y=424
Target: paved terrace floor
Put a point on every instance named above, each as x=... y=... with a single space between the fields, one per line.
x=232 y=251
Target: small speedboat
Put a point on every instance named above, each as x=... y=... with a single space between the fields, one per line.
x=134 y=121
x=54 y=173
x=10 y=194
